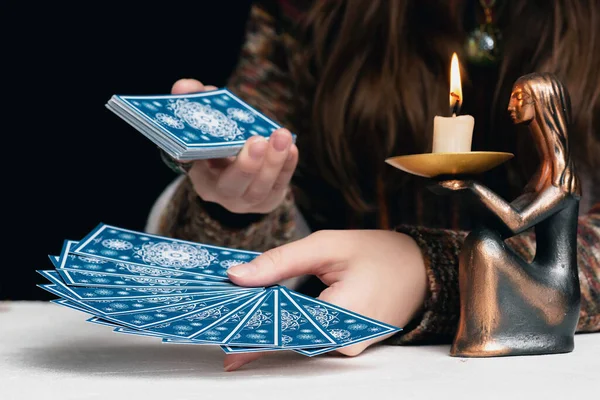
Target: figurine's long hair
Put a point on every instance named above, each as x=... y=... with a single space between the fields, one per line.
x=372 y=74
x=553 y=114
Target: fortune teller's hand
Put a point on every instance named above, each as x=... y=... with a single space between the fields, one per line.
x=379 y=274
x=253 y=182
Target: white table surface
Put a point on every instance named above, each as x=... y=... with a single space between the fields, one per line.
x=50 y=352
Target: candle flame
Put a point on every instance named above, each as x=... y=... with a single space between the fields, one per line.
x=456 y=96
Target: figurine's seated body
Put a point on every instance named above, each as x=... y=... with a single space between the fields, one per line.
x=515 y=307
x=510 y=306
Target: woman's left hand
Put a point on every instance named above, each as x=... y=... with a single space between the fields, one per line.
x=379 y=274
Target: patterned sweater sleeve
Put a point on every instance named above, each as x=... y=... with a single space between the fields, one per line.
x=260 y=79
x=439 y=319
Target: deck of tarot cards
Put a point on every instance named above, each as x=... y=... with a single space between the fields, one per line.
x=212 y=124
x=178 y=291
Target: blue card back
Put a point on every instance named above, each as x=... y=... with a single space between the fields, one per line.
x=262 y=328
x=105 y=294
x=193 y=325
x=68 y=261
x=126 y=306
x=224 y=331
x=343 y=326
x=297 y=329
x=207 y=119
x=137 y=248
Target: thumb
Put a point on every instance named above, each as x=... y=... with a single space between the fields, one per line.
x=302 y=257
x=184 y=86
x=344 y=295
x=234 y=361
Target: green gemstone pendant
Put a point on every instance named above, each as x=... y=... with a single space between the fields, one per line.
x=483 y=45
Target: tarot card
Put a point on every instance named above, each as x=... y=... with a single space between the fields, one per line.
x=192 y=325
x=100 y=321
x=343 y=326
x=141 y=249
x=68 y=261
x=298 y=330
x=104 y=280
x=105 y=294
x=148 y=319
x=316 y=351
x=237 y=350
x=128 y=306
x=260 y=327
x=71 y=304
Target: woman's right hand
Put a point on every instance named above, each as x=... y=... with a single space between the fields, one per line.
x=256 y=180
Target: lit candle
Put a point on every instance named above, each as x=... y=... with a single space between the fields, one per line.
x=453 y=134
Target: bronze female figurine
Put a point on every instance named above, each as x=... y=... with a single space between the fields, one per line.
x=509 y=306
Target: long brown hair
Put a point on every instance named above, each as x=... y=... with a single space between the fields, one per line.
x=553 y=114
x=371 y=75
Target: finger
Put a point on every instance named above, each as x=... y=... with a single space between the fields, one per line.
x=236 y=178
x=203 y=180
x=342 y=294
x=356 y=349
x=235 y=361
x=210 y=87
x=183 y=86
x=285 y=176
x=279 y=146
x=219 y=163
x=301 y=257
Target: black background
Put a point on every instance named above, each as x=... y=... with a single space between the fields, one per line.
x=69 y=163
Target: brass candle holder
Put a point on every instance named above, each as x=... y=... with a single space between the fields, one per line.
x=509 y=306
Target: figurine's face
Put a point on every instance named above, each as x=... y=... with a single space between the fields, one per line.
x=521 y=107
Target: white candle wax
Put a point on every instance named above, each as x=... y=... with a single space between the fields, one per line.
x=452 y=134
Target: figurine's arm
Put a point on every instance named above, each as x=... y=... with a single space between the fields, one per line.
x=520 y=219
x=519 y=215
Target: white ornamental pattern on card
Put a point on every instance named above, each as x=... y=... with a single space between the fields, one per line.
x=91 y=260
x=166 y=300
x=117 y=244
x=169 y=121
x=323 y=316
x=184 y=308
x=289 y=321
x=175 y=255
x=95 y=274
x=257 y=319
x=240 y=115
x=155 y=290
x=231 y=263
x=135 y=269
x=206 y=119
x=339 y=334
x=156 y=281
x=213 y=313
x=237 y=317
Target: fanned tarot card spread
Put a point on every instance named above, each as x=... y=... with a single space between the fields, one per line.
x=212 y=124
x=178 y=291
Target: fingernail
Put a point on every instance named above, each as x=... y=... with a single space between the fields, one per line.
x=242 y=270
x=281 y=141
x=257 y=150
x=233 y=365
